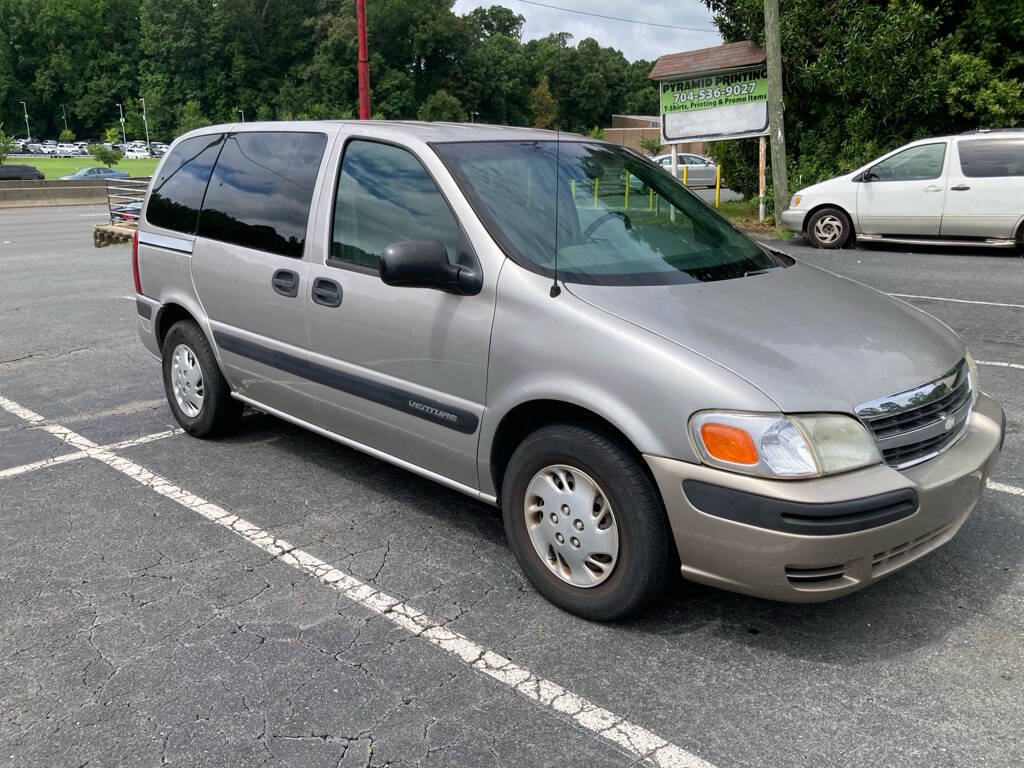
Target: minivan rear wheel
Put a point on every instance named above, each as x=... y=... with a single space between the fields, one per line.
x=829 y=228
x=199 y=397
x=585 y=522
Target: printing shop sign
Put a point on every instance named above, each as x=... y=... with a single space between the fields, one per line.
x=730 y=105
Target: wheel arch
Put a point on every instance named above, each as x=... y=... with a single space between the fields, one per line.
x=169 y=314
x=531 y=415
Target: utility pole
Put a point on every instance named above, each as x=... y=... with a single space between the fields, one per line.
x=64 y=114
x=145 y=122
x=124 y=136
x=242 y=113
x=28 y=133
x=363 y=62
x=773 y=49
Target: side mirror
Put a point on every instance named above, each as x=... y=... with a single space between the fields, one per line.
x=424 y=264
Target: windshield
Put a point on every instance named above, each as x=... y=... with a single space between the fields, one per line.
x=619 y=219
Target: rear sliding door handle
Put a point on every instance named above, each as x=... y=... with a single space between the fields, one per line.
x=933 y=188
x=286 y=283
x=960 y=188
x=326 y=292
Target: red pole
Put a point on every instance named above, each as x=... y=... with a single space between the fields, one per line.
x=364 y=62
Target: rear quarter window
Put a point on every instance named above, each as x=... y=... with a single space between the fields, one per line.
x=981 y=158
x=178 y=190
x=261 y=190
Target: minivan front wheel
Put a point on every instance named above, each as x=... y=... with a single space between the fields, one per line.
x=586 y=523
x=829 y=228
x=197 y=393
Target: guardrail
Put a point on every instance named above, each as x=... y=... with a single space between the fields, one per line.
x=124 y=200
x=24 y=194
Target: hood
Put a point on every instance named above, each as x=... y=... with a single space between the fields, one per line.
x=810 y=340
x=828 y=185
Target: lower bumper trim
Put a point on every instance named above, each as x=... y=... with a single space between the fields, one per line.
x=801 y=517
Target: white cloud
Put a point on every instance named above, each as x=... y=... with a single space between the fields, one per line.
x=636 y=41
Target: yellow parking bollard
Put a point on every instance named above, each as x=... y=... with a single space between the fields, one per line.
x=650 y=198
x=572 y=183
x=596 y=181
x=718 y=183
x=627 y=190
x=686 y=174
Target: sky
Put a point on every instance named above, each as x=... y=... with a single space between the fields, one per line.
x=636 y=41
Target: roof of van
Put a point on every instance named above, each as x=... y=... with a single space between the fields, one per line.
x=427 y=132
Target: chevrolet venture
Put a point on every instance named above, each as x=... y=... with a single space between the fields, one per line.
x=637 y=384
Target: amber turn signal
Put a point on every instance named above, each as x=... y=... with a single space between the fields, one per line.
x=728 y=443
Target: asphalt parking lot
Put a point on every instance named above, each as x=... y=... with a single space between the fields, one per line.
x=277 y=599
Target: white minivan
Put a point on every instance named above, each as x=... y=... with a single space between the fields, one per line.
x=954 y=190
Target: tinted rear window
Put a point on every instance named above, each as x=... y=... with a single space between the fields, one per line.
x=261 y=190
x=992 y=157
x=178 y=191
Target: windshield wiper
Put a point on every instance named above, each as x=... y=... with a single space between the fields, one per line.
x=751 y=272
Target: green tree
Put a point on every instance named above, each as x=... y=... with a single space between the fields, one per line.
x=542 y=105
x=66 y=135
x=6 y=144
x=650 y=145
x=192 y=117
x=441 y=106
x=112 y=134
x=109 y=157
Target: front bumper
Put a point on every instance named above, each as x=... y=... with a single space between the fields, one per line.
x=793 y=219
x=798 y=567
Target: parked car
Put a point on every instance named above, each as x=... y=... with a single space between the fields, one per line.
x=951 y=190
x=20 y=173
x=628 y=384
x=126 y=212
x=65 y=150
x=135 y=153
x=700 y=170
x=96 y=172
x=34 y=148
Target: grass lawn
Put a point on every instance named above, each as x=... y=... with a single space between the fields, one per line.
x=55 y=167
x=744 y=215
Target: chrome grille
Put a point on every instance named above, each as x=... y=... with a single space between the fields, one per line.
x=913 y=426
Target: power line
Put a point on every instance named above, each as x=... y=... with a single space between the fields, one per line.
x=616 y=18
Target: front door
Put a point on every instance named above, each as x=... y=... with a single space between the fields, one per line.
x=903 y=194
x=400 y=370
x=985 y=197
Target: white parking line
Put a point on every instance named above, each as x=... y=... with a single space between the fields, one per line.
x=65 y=458
x=635 y=740
x=1013 y=490
x=957 y=301
x=1001 y=365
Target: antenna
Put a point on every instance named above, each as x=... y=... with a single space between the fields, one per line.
x=555 y=290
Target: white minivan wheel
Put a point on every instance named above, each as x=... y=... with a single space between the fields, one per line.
x=829 y=228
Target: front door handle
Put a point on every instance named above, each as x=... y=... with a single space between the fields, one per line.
x=286 y=283
x=326 y=292
x=960 y=188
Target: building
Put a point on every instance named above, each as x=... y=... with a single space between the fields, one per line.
x=626 y=130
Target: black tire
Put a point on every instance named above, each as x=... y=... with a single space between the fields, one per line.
x=219 y=412
x=837 y=229
x=646 y=550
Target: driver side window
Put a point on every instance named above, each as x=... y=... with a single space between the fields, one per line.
x=913 y=164
x=385 y=195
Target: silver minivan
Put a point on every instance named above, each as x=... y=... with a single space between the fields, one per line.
x=638 y=385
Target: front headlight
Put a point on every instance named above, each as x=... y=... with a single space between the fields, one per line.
x=773 y=445
x=972 y=372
